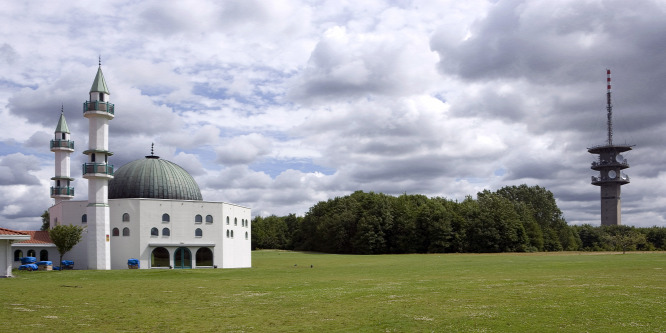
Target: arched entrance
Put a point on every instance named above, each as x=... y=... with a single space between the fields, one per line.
x=204 y=257
x=182 y=258
x=159 y=257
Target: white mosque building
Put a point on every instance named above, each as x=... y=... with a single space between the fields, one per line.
x=149 y=209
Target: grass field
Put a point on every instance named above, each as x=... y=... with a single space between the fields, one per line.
x=573 y=292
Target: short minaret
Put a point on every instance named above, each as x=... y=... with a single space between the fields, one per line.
x=99 y=111
x=62 y=146
x=610 y=165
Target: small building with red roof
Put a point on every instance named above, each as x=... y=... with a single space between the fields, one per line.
x=39 y=245
x=7 y=237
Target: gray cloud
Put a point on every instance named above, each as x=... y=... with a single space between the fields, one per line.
x=443 y=99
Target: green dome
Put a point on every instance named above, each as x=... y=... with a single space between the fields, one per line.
x=153 y=178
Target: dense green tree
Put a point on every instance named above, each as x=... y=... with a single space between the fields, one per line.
x=270 y=233
x=624 y=238
x=657 y=237
x=497 y=227
x=46 y=224
x=65 y=237
x=514 y=218
x=592 y=238
x=545 y=213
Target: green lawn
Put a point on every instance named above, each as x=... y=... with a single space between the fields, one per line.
x=572 y=292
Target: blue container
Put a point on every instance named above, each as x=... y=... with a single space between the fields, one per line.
x=47 y=263
x=67 y=264
x=28 y=267
x=133 y=263
x=28 y=260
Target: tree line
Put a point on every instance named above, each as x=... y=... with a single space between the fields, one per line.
x=512 y=219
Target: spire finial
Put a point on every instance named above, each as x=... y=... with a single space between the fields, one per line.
x=62 y=108
x=100 y=60
x=152 y=152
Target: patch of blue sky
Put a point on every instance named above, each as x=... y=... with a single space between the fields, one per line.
x=206 y=90
x=6 y=84
x=440 y=96
x=500 y=172
x=274 y=167
x=155 y=90
x=10 y=147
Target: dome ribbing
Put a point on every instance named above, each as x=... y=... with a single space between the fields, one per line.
x=155 y=178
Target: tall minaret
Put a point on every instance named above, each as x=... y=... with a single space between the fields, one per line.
x=99 y=111
x=62 y=146
x=610 y=165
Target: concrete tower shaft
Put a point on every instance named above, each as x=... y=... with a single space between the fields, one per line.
x=98 y=172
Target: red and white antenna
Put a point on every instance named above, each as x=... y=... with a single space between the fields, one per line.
x=609 y=107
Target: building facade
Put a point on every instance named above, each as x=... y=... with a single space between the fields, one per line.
x=149 y=209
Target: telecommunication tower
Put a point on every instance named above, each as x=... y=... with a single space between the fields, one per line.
x=610 y=165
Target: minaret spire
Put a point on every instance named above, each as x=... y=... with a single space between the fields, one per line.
x=62 y=146
x=98 y=171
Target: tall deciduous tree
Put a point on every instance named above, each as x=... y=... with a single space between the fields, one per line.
x=65 y=237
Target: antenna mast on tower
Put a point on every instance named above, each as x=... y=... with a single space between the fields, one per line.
x=609 y=108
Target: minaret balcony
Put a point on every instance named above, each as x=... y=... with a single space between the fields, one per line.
x=101 y=170
x=606 y=164
x=622 y=179
x=59 y=191
x=98 y=107
x=62 y=145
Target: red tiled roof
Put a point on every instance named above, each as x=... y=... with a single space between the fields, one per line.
x=4 y=231
x=36 y=237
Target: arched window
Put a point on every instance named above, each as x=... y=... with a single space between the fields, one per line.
x=198 y=232
x=198 y=219
x=246 y=235
x=232 y=234
x=159 y=257
x=126 y=217
x=84 y=218
x=32 y=253
x=209 y=218
x=125 y=231
x=166 y=232
x=227 y=233
x=115 y=232
x=43 y=255
x=18 y=254
x=235 y=221
x=204 y=257
x=166 y=218
x=227 y=220
x=154 y=232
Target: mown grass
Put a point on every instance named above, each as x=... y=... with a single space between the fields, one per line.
x=572 y=292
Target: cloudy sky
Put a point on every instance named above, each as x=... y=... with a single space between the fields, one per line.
x=277 y=105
